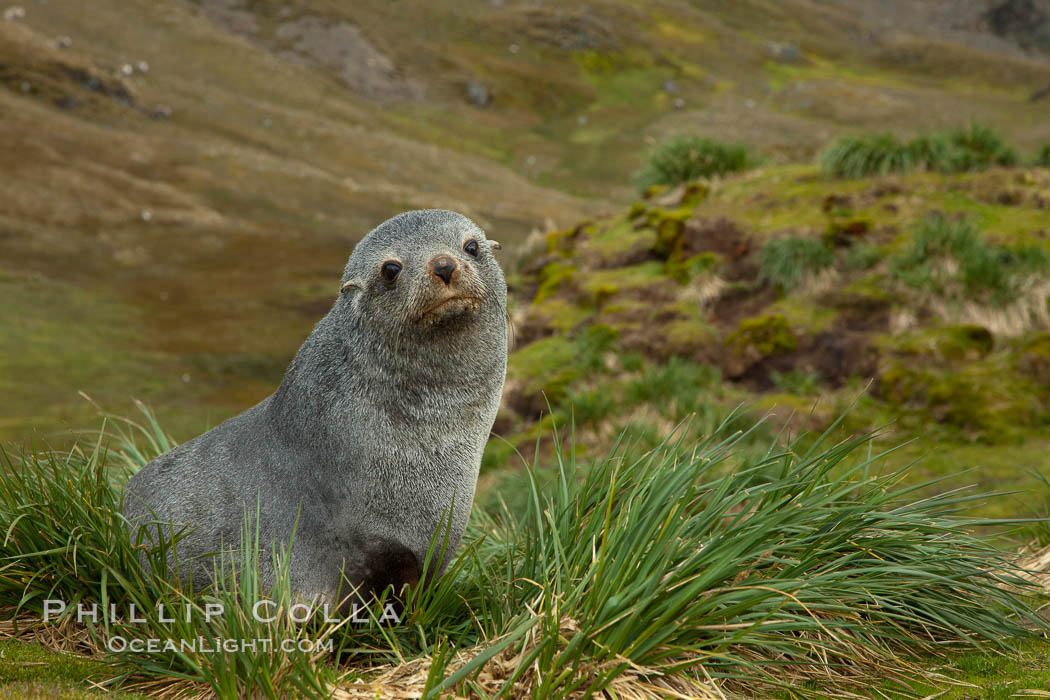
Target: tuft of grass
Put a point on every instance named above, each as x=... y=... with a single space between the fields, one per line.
x=645 y=572
x=862 y=256
x=678 y=383
x=796 y=381
x=975 y=147
x=867 y=154
x=1042 y=156
x=685 y=158
x=949 y=258
x=978 y=146
x=785 y=262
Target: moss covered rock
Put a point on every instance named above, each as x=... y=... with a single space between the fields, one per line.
x=756 y=339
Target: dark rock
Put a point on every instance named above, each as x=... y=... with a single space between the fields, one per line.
x=1022 y=21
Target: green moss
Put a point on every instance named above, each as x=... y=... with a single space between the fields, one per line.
x=975 y=675
x=691 y=268
x=1034 y=359
x=686 y=336
x=869 y=286
x=944 y=343
x=30 y=671
x=985 y=401
x=653 y=191
x=668 y=225
x=965 y=342
x=600 y=285
x=559 y=314
x=546 y=366
x=551 y=278
x=28 y=662
x=767 y=334
x=563 y=242
x=694 y=195
x=804 y=314
x=618 y=239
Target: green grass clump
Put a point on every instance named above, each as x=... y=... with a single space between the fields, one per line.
x=685 y=158
x=796 y=381
x=949 y=258
x=950 y=151
x=867 y=154
x=1042 y=156
x=862 y=256
x=785 y=262
x=961 y=150
x=678 y=568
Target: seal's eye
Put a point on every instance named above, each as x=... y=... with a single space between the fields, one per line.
x=390 y=270
x=471 y=247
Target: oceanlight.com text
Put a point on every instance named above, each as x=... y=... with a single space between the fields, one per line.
x=214 y=645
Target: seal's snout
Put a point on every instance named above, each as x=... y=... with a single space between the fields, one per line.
x=444 y=267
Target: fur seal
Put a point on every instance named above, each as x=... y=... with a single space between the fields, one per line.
x=374 y=438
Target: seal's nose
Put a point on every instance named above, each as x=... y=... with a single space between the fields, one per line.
x=444 y=267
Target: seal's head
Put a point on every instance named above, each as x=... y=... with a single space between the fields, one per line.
x=427 y=271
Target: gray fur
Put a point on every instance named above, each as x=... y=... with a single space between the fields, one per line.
x=375 y=432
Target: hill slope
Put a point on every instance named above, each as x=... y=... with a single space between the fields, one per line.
x=184 y=180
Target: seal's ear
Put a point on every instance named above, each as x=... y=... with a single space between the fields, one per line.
x=495 y=245
x=348 y=285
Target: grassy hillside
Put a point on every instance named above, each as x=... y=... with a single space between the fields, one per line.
x=162 y=157
x=925 y=295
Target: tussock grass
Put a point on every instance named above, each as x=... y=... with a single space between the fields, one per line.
x=641 y=574
x=684 y=158
x=949 y=259
x=957 y=150
x=867 y=154
x=65 y=539
x=1042 y=156
x=786 y=262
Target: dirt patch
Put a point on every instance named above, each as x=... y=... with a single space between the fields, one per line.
x=741 y=301
x=858 y=313
x=724 y=237
x=835 y=357
x=743 y=296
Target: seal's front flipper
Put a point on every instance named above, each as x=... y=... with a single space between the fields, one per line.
x=385 y=564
